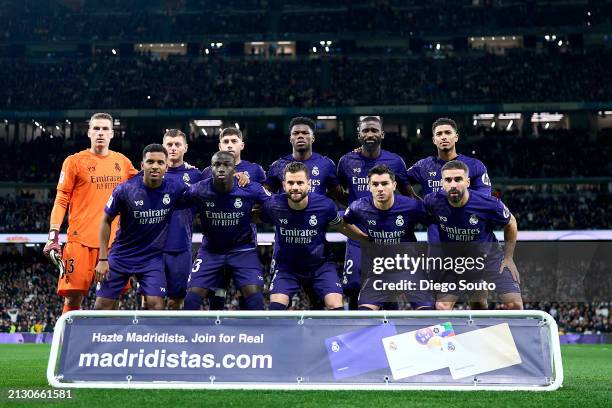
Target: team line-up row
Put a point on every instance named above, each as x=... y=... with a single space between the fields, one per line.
x=156 y=208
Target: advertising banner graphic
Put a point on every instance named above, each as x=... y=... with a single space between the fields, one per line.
x=307 y=350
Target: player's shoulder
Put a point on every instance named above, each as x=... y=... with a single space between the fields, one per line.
x=361 y=202
x=252 y=188
x=117 y=156
x=471 y=161
x=425 y=162
x=281 y=162
x=323 y=159
x=435 y=197
x=349 y=156
x=406 y=201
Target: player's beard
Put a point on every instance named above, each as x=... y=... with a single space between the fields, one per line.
x=458 y=197
x=371 y=145
x=302 y=195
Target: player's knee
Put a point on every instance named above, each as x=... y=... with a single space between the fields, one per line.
x=479 y=305
x=155 y=303
x=73 y=300
x=249 y=290
x=444 y=305
x=175 y=304
x=368 y=307
x=334 y=301
x=516 y=305
x=104 y=304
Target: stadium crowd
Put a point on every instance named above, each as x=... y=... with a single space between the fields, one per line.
x=29 y=303
x=167 y=20
x=218 y=82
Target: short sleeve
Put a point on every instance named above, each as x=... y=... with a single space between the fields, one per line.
x=132 y=171
x=331 y=214
x=401 y=174
x=274 y=179
x=262 y=194
x=206 y=173
x=266 y=213
x=260 y=175
x=113 y=205
x=413 y=174
x=499 y=214
x=350 y=217
x=480 y=180
x=332 y=178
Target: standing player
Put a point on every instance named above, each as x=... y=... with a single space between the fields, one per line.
x=86 y=182
x=229 y=240
x=322 y=169
x=231 y=141
x=145 y=205
x=301 y=255
x=469 y=216
x=353 y=168
x=427 y=172
x=177 y=254
x=388 y=219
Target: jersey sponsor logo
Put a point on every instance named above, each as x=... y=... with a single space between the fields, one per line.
x=186 y=178
x=315 y=171
x=371 y=222
x=139 y=202
x=313 y=220
x=109 y=202
x=238 y=203
x=61 y=178
x=399 y=221
x=473 y=219
x=166 y=199
x=486 y=180
x=506 y=211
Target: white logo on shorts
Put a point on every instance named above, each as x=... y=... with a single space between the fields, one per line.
x=166 y=199
x=238 y=203
x=313 y=220
x=399 y=221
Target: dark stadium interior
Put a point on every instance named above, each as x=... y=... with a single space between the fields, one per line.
x=529 y=83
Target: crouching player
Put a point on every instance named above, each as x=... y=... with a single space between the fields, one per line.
x=301 y=255
x=229 y=240
x=467 y=216
x=145 y=205
x=389 y=219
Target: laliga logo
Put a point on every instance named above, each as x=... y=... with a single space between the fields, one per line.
x=238 y=203
x=335 y=347
x=313 y=220
x=186 y=178
x=399 y=221
x=506 y=212
x=473 y=220
x=166 y=199
x=315 y=171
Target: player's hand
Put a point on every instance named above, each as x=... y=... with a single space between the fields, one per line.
x=243 y=178
x=509 y=263
x=188 y=166
x=53 y=245
x=358 y=150
x=101 y=271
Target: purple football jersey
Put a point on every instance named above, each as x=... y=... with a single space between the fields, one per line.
x=300 y=234
x=428 y=173
x=474 y=222
x=145 y=216
x=255 y=171
x=390 y=226
x=322 y=173
x=226 y=217
x=353 y=171
x=181 y=222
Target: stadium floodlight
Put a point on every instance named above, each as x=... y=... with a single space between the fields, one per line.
x=236 y=125
x=114 y=51
x=322 y=43
x=510 y=125
x=547 y=125
x=475 y=122
x=547 y=37
x=438 y=46
x=324 y=117
x=328 y=42
x=492 y=124
x=314 y=49
x=219 y=44
x=206 y=51
x=326 y=49
x=560 y=43
x=208 y=122
x=418 y=131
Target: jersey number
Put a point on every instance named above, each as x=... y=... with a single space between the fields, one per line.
x=196 y=265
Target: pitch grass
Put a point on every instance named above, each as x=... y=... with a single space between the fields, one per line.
x=588 y=383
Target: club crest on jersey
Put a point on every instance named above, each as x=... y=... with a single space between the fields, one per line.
x=335 y=347
x=315 y=171
x=443 y=219
x=399 y=221
x=186 y=178
x=166 y=199
x=473 y=219
x=238 y=203
x=313 y=220
x=117 y=167
x=357 y=170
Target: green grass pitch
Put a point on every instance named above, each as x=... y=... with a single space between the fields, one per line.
x=588 y=384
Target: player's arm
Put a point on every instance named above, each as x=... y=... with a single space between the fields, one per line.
x=65 y=186
x=351 y=231
x=338 y=194
x=510 y=236
x=407 y=190
x=481 y=181
x=105 y=231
